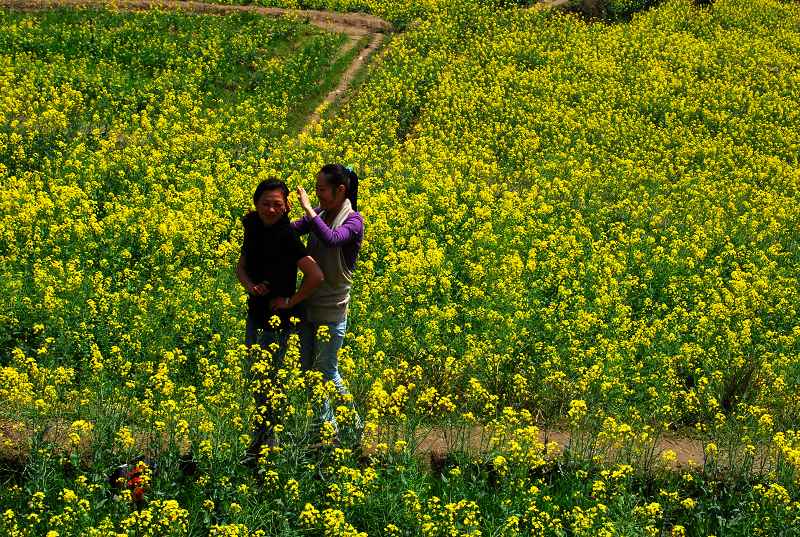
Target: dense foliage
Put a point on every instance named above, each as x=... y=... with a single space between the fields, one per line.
x=570 y=225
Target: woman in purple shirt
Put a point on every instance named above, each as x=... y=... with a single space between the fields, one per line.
x=336 y=230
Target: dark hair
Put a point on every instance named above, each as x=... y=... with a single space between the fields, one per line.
x=270 y=184
x=336 y=174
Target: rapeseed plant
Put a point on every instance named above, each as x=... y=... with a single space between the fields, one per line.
x=572 y=225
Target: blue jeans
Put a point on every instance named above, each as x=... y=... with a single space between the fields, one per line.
x=323 y=356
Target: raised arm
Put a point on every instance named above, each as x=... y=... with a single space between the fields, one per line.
x=300 y=226
x=350 y=231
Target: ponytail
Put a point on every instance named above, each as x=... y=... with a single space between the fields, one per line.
x=352 y=190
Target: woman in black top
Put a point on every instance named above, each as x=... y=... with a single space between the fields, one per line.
x=267 y=268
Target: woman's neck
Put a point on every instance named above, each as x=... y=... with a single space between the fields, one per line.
x=331 y=213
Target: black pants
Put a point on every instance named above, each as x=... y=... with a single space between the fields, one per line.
x=268 y=411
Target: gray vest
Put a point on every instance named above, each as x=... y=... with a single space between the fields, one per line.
x=328 y=303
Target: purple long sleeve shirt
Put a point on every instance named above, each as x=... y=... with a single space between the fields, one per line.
x=348 y=236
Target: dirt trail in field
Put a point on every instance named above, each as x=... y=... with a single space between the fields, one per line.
x=551 y=4
x=438 y=442
x=354 y=25
x=432 y=445
x=346 y=78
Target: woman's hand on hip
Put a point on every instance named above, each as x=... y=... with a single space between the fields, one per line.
x=280 y=303
x=259 y=289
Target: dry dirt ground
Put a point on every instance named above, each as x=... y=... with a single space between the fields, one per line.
x=688 y=452
x=376 y=39
x=432 y=445
x=355 y=24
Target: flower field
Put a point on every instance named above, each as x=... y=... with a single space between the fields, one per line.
x=573 y=227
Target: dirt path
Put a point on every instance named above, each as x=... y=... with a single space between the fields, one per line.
x=431 y=444
x=347 y=77
x=553 y=3
x=688 y=452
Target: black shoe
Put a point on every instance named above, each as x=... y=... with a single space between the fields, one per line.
x=250 y=462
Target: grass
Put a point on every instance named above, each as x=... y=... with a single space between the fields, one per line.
x=298 y=116
x=358 y=79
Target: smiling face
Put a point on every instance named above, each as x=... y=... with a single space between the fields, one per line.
x=329 y=196
x=271 y=206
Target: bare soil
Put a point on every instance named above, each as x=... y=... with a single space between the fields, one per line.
x=16 y=439
x=347 y=77
x=689 y=452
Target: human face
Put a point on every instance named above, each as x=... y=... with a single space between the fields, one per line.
x=271 y=206
x=328 y=196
